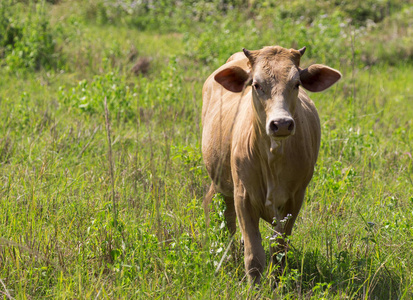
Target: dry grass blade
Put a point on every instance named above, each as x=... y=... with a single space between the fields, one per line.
x=110 y=163
x=224 y=255
x=35 y=254
x=6 y=292
x=88 y=143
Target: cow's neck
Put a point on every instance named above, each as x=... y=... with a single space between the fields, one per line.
x=270 y=154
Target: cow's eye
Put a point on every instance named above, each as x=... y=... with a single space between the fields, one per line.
x=257 y=86
x=297 y=85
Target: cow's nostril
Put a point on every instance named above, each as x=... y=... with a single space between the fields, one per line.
x=291 y=126
x=273 y=126
x=281 y=127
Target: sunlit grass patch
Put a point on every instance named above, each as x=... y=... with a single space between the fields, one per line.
x=58 y=236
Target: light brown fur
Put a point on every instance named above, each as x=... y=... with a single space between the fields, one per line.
x=259 y=175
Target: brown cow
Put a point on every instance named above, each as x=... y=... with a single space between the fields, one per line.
x=260 y=141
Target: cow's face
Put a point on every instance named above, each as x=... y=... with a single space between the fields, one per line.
x=275 y=86
x=276 y=78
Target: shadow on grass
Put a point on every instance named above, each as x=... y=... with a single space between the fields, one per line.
x=343 y=275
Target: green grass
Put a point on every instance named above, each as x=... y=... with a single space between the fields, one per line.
x=59 y=234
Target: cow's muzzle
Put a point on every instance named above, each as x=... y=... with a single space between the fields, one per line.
x=280 y=128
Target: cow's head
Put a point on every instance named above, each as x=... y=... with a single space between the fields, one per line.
x=275 y=77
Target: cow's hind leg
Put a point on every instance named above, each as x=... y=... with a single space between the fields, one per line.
x=229 y=213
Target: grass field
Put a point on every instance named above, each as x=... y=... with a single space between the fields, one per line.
x=85 y=218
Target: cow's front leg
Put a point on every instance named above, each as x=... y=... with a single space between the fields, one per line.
x=248 y=218
x=282 y=229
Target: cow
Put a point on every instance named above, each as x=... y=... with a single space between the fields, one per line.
x=260 y=142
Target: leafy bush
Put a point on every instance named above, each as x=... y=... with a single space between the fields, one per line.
x=358 y=12
x=214 y=49
x=88 y=96
x=26 y=37
x=122 y=97
x=164 y=15
x=390 y=41
x=253 y=24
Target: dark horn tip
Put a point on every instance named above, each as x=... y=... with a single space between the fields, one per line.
x=302 y=50
x=246 y=52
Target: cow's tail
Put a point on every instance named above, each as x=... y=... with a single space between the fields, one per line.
x=207 y=202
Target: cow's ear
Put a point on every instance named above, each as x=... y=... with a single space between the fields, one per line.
x=317 y=78
x=233 y=78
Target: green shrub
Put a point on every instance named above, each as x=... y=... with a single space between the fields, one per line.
x=358 y=12
x=88 y=96
x=164 y=15
x=26 y=37
x=391 y=41
x=214 y=49
x=163 y=91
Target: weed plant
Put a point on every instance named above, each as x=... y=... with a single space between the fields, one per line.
x=27 y=41
x=76 y=222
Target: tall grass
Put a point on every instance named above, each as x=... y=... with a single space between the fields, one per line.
x=74 y=227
